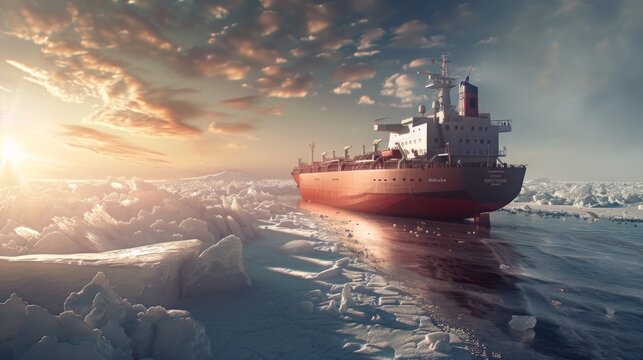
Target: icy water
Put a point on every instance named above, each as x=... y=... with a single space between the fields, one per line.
x=582 y=280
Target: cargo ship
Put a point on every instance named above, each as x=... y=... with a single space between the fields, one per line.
x=442 y=164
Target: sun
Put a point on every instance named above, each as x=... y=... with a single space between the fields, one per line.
x=11 y=151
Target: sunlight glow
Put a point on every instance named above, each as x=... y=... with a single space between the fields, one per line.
x=11 y=151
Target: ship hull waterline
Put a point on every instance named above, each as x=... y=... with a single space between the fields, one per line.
x=445 y=193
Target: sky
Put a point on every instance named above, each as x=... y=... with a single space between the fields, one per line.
x=167 y=89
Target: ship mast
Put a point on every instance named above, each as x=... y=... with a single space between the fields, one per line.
x=442 y=83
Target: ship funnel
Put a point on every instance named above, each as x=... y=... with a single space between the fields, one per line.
x=323 y=157
x=468 y=99
x=346 y=151
x=334 y=155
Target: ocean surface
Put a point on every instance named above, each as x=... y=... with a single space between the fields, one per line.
x=582 y=280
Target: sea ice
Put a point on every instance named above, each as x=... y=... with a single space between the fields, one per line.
x=437 y=341
x=298 y=247
x=522 y=322
x=98 y=324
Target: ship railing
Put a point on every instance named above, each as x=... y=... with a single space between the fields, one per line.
x=409 y=164
x=503 y=125
x=445 y=152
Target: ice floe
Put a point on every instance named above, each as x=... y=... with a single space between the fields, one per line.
x=98 y=324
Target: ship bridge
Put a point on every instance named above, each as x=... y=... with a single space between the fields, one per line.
x=446 y=133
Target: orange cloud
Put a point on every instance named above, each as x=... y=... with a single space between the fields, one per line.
x=242 y=102
x=231 y=128
x=105 y=144
x=353 y=72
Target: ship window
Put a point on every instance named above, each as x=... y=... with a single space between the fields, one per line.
x=480 y=128
x=385 y=179
x=393 y=179
x=379 y=179
x=460 y=140
x=467 y=151
x=420 y=179
x=374 y=179
x=472 y=103
x=403 y=179
x=485 y=128
x=475 y=140
x=488 y=141
x=473 y=128
x=467 y=141
x=412 y=179
x=446 y=127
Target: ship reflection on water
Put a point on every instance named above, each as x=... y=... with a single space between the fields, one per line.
x=456 y=268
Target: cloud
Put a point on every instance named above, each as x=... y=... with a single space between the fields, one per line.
x=242 y=102
x=231 y=128
x=347 y=87
x=353 y=72
x=320 y=17
x=413 y=34
x=489 y=41
x=369 y=37
x=127 y=102
x=401 y=86
x=366 y=53
x=273 y=110
x=218 y=11
x=105 y=144
x=365 y=100
x=415 y=63
x=281 y=82
x=268 y=21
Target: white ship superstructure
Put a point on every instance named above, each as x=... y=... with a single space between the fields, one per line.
x=445 y=133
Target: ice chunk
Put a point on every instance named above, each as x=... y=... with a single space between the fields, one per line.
x=346 y=298
x=174 y=335
x=13 y=315
x=328 y=273
x=438 y=342
x=331 y=307
x=343 y=262
x=127 y=330
x=152 y=274
x=522 y=322
x=55 y=242
x=196 y=229
x=298 y=247
x=219 y=267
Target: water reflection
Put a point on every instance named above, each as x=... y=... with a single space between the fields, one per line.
x=462 y=272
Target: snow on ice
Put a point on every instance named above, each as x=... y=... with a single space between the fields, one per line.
x=157 y=274
x=98 y=324
x=619 y=201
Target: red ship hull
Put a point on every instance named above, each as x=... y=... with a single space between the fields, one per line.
x=442 y=193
